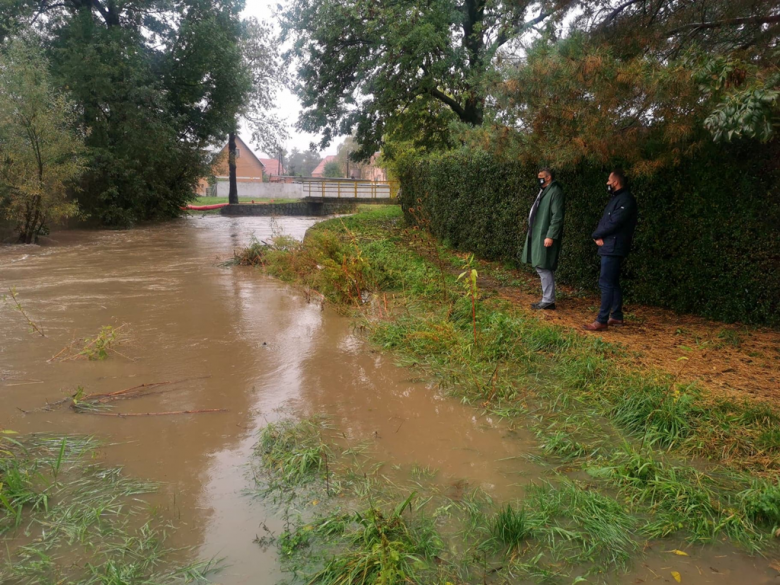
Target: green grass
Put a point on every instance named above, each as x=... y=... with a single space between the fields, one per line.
x=294 y=453
x=65 y=519
x=636 y=432
x=379 y=547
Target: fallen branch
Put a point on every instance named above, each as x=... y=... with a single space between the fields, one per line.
x=124 y=414
x=134 y=389
x=96 y=348
x=33 y=325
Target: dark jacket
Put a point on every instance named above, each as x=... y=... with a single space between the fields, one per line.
x=547 y=223
x=617 y=225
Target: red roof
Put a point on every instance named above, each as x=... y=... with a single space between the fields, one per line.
x=319 y=172
x=272 y=166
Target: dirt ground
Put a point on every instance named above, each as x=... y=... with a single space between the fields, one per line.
x=729 y=359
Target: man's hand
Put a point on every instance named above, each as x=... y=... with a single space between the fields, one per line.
x=548 y=242
x=599 y=242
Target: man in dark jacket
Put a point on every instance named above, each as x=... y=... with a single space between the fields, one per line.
x=545 y=234
x=613 y=237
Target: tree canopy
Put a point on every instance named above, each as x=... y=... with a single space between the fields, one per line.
x=302 y=163
x=40 y=149
x=157 y=84
x=566 y=80
x=648 y=85
x=363 y=66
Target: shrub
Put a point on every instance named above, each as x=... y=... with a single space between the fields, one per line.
x=706 y=242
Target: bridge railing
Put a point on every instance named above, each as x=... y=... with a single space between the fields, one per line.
x=349 y=188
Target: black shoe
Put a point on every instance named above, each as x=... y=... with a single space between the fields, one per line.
x=535 y=305
x=543 y=307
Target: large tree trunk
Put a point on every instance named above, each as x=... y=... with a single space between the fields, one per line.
x=28 y=234
x=474 y=111
x=233 y=193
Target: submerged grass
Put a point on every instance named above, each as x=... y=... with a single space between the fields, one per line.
x=665 y=457
x=65 y=519
x=293 y=453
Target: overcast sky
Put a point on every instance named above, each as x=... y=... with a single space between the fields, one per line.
x=288 y=105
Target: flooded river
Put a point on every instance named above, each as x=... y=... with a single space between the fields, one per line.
x=255 y=347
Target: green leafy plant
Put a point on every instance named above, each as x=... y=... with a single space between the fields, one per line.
x=468 y=278
x=98 y=347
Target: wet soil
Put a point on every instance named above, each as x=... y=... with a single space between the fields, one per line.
x=733 y=360
x=251 y=345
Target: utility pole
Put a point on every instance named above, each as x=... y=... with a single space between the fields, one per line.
x=233 y=193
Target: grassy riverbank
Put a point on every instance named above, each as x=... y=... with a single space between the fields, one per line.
x=636 y=456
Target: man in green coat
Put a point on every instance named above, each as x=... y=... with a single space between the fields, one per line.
x=545 y=234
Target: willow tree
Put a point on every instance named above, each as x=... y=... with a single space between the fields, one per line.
x=40 y=150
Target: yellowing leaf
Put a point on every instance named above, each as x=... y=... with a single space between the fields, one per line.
x=681 y=553
x=315 y=502
x=676 y=576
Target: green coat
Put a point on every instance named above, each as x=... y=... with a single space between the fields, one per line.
x=547 y=224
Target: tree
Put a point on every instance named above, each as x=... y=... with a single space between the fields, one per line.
x=260 y=61
x=158 y=84
x=399 y=56
x=626 y=85
x=301 y=164
x=332 y=170
x=39 y=147
x=345 y=157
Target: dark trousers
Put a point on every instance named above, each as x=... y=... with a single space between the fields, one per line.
x=611 y=295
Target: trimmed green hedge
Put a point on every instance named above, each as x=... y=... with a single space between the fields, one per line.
x=708 y=239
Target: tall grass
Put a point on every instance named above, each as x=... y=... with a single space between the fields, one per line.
x=293 y=452
x=65 y=519
x=634 y=431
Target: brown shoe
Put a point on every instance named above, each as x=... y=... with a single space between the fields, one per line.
x=596 y=326
x=615 y=322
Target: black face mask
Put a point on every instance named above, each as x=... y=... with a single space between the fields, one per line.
x=541 y=181
x=610 y=190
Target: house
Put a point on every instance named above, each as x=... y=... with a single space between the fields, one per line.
x=319 y=171
x=251 y=171
x=374 y=173
x=272 y=167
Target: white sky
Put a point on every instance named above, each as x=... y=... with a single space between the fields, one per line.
x=288 y=105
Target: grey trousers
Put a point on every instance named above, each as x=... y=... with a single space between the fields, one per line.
x=548 y=285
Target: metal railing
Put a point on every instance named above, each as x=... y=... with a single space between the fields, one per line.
x=349 y=188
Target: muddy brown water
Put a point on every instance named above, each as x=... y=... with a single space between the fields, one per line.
x=254 y=346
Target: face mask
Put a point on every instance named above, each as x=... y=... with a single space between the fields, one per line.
x=609 y=189
x=541 y=181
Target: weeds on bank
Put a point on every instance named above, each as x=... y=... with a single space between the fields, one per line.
x=374 y=529
x=380 y=547
x=570 y=523
x=654 y=408
x=590 y=409
x=65 y=519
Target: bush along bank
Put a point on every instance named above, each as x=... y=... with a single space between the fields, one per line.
x=706 y=242
x=635 y=455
